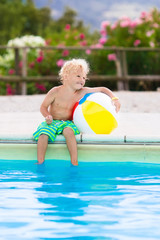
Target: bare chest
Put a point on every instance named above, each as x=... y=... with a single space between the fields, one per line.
x=65 y=102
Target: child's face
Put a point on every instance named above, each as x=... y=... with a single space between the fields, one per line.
x=77 y=79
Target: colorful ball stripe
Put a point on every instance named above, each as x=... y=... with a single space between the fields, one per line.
x=95 y=114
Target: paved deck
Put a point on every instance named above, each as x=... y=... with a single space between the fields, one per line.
x=133 y=127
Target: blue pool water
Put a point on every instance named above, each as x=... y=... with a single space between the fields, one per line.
x=92 y=201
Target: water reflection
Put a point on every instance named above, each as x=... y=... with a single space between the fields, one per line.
x=61 y=187
x=91 y=201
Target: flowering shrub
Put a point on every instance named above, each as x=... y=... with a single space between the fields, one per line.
x=141 y=32
x=29 y=40
x=43 y=62
x=126 y=32
x=7 y=61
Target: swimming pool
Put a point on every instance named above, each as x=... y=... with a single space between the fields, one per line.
x=96 y=200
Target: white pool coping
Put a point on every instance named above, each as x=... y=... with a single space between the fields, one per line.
x=86 y=138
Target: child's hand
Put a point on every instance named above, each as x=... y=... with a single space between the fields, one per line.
x=117 y=104
x=49 y=119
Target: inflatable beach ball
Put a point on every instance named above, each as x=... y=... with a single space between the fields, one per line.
x=95 y=113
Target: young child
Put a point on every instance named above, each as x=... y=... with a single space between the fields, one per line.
x=58 y=105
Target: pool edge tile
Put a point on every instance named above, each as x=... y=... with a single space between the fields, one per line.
x=142 y=139
x=101 y=138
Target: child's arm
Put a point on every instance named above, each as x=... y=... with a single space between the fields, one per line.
x=45 y=105
x=107 y=91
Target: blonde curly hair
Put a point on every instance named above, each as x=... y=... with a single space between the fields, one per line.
x=72 y=66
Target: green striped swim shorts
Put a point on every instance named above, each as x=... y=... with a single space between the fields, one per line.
x=54 y=129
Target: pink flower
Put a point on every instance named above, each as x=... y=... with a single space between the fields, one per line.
x=114 y=26
x=48 y=41
x=83 y=43
x=133 y=24
x=31 y=65
x=152 y=44
x=39 y=59
x=149 y=33
x=112 y=57
x=88 y=51
x=60 y=62
x=67 y=27
x=81 y=36
x=155 y=25
x=9 y=90
x=136 y=42
x=125 y=23
x=138 y=21
x=41 y=87
x=125 y=18
x=105 y=24
x=143 y=14
x=102 y=40
x=40 y=53
x=11 y=71
x=65 y=53
x=103 y=32
x=98 y=45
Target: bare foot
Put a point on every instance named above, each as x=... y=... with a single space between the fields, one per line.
x=74 y=163
x=39 y=162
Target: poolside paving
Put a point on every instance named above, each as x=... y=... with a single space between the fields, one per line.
x=139 y=117
x=21 y=125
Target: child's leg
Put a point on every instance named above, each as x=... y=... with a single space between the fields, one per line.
x=71 y=144
x=41 y=148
